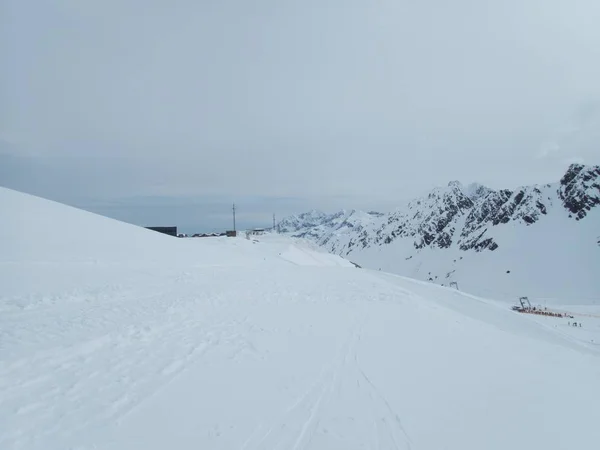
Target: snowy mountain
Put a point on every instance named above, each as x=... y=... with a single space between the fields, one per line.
x=315 y=223
x=115 y=337
x=546 y=231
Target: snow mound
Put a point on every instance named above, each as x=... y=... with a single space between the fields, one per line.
x=48 y=247
x=42 y=230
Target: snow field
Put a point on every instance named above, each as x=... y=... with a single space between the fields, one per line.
x=232 y=343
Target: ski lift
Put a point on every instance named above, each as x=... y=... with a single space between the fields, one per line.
x=525 y=303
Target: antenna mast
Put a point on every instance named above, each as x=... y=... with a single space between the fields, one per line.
x=234 y=217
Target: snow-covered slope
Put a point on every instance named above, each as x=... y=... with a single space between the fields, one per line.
x=535 y=240
x=113 y=337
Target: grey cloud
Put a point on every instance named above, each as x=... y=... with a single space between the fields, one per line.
x=578 y=139
x=339 y=104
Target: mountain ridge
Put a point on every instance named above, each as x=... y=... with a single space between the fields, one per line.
x=436 y=213
x=468 y=220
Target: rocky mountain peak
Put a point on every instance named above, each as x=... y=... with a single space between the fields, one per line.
x=580 y=189
x=475 y=191
x=467 y=217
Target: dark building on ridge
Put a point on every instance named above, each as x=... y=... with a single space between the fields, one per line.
x=171 y=231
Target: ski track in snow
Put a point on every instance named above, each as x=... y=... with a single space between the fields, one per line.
x=80 y=374
x=133 y=353
x=312 y=419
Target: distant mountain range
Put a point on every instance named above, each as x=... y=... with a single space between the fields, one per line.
x=541 y=239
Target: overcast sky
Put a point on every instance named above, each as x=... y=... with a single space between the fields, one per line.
x=162 y=113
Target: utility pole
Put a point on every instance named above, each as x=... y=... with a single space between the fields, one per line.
x=234 y=217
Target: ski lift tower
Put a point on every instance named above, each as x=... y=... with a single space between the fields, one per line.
x=525 y=303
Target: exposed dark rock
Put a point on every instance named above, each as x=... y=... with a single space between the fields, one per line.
x=455 y=215
x=580 y=189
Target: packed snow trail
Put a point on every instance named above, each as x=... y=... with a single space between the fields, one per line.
x=154 y=342
x=310 y=358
